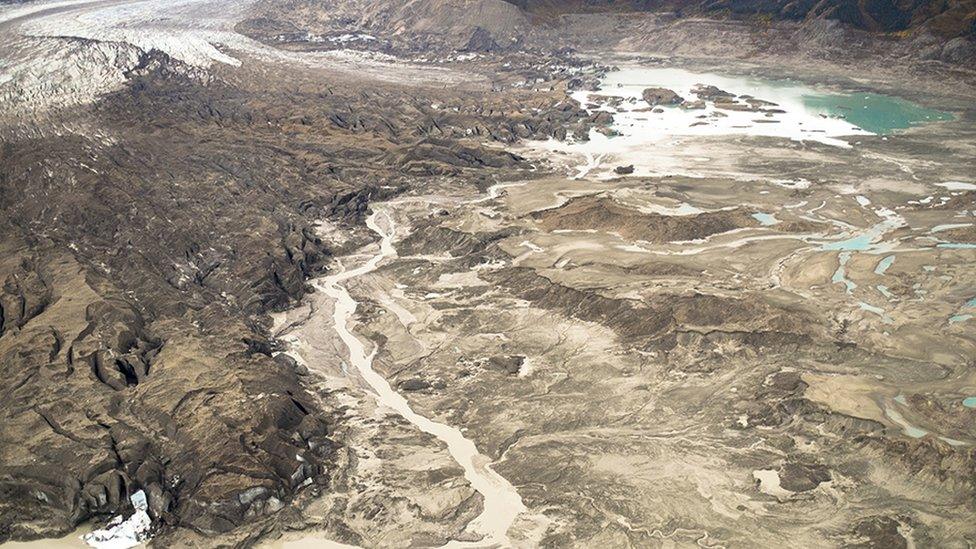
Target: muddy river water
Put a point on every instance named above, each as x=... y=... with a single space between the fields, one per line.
x=502 y=503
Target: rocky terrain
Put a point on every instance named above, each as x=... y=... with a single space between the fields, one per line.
x=205 y=206
x=946 y=19
x=139 y=265
x=861 y=35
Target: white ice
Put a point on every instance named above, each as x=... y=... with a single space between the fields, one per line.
x=122 y=533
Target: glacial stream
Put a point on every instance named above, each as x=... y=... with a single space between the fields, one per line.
x=502 y=503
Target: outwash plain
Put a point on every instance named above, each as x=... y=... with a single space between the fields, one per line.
x=481 y=274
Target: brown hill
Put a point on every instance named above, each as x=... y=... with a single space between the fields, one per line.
x=947 y=19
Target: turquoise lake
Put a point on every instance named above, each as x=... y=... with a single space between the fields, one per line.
x=876 y=113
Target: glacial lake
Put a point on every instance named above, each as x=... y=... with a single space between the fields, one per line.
x=655 y=141
x=876 y=113
x=810 y=110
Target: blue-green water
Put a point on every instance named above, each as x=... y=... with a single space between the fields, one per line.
x=840 y=275
x=858 y=243
x=911 y=430
x=876 y=113
x=884 y=264
x=969 y=402
x=876 y=310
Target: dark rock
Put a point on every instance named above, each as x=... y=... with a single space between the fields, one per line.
x=711 y=93
x=587 y=84
x=624 y=170
x=508 y=364
x=661 y=96
x=878 y=532
x=959 y=50
x=291 y=364
x=733 y=106
x=481 y=41
x=602 y=118
x=414 y=384
x=797 y=477
x=786 y=381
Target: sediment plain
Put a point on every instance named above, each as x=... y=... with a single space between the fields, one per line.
x=377 y=275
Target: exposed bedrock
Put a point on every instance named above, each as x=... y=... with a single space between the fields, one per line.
x=945 y=19
x=838 y=30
